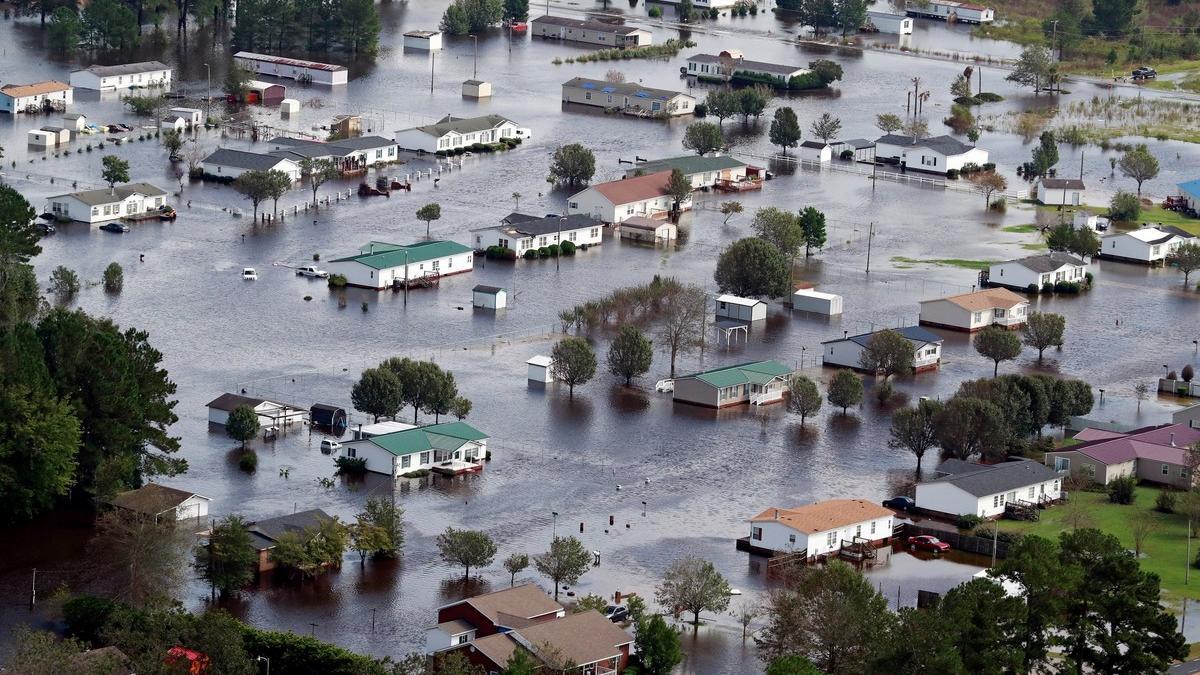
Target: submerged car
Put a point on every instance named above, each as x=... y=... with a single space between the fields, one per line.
x=616 y=613
x=928 y=543
x=120 y=228
x=248 y=273
x=900 y=503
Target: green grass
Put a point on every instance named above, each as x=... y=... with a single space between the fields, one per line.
x=1034 y=246
x=946 y=262
x=1164 y=551
x=1157 y=214
x=1020 y=229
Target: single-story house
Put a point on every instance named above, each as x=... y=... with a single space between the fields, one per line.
x=489 y=297
x=381 y=265
x=1060 y=191
x=424 y=40
x=1156 y=454
x=314 y=72
x=98 y=206
x=814 y=151
x=731 y=63
x=270 y=413
x=379 y=429
x=820 y=528
x=641 y=228
x=451 y=133
x=193 y=116
x=1148 y=245
x=600 y=33
x=123 y=76
x=264 y=533
x=233 y=163
x=965 y=488
x=630 y=97
x=975 y=311
x=614 y=201
x=451 y=447
x=522 y=232
x=808 y=300
x=1190 y=191
x=705 y=171
x=154 y=501
x=1189 y=416
x=846 y=352
x=489 y=614
x=862 y=150
x=756 y=383
x=952 y=10
x=886 y=22
x=1037 y=271
x=173 y=123
x=36 y=97
x=740 y=309
x=350 y=155
x=937 y=154
x=708 y=4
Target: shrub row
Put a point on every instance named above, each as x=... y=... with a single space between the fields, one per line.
x=499 y=253
x=499 y=146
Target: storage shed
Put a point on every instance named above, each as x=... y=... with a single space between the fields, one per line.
x=289 y=106
x=264 y=93
x=328 y=416
x=62 y=135
x=641 y=228
x=427 y=40
x=808 y=300
x=194 y=117
x=489 y=297
x=75 y=121
x=740 y=309
x=476 y=89
x=539 y=369
x=42 y=139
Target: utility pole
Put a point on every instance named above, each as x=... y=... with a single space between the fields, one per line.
x=33 y=595
x=405 y=300
x=558 y=240
x=432 y=62
x=475 y=58
x=870 y=239
x=1054 y=38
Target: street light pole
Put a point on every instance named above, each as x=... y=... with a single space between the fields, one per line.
x=554 y=530
x=207 y=91
x=475 y=59
x=260 y=659
x=558 y=240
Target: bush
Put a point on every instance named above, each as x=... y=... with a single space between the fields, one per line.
x=114 y=278
x=1047 y=287
x=969 y=167
x=337 y=281
x=713 y=13
x=86 y=615
x=508 y=254
x=969 y=521
x=1165 y=502
x=1124 y=206
x=568 y=248
x=847 y=154
x=989 y=166
x=543 y=252
x=553 y=249
x=355 y=466
x=655 y=12
x=700 y=110
x=883 y=391
x=809 y=80
x=1187 y=373
x=531 y=254
x=952 y=174
x=1031 y=289
x=1121 y=490
x=988 y=97
x=966 y=100
x=419 y=473
x=999 y=205
x=1172 y=375
x=248 y=461
x=1088 y=277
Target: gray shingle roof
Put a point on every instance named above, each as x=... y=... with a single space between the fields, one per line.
x=745 y=64
x=1048 y=262
x=917 y=335
x=463 y=125
x=119 y=193
x=599 y=26
x=241 y=159
x=992 y=479
x=622 y=88
x=946 y=145
x=549 y=224
x=127 y=68
x=1063 y=183
x=272 y=528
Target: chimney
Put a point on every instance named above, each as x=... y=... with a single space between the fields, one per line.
x=1172 y=439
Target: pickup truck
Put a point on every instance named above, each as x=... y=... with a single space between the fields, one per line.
x=312 y=271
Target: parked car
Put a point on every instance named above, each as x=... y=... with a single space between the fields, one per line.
x=900 y=503
x=166 y=212
x=312 y=271
x=928 y=543
x=1144 y=73
x=328 y=446
x=249 y=274
x=47 y=228
x=119 y=228
x=616 y=613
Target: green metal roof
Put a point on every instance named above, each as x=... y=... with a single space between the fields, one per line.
x=691 y=164
x=382 y=255
x=448 y=436
x=755 y=372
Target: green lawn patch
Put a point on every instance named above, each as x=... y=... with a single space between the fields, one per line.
x=1020 y=229
x=945 y=262
x=1034 y=246
x=1164 y=551
x=1157 y=214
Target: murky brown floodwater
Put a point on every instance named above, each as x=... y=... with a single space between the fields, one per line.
x=700 y=473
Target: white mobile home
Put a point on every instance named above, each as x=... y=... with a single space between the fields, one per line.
x=949 y=10
x=1060 y=191
x=451 y=133
x=847 y=352
x=808 y=300
x=225 y=162
x=294 y=69
x=1037 y=271
x=123 y=76
x=270 y=413
x=629 y=97
x=599 y=33
x=975 y=311
x=452 y=446
x=966 y=488
x=614 y=201
x=886 y=22
x=98 y=206
x=754 y=383
x=820 y=528
x=1149 y=245
x=521 y=232
x=36 y=97
x=705 y=171
x=728 y=64
x=381 y=265
x=938 y=154
x=740 y=309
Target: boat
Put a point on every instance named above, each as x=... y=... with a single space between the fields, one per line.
x=248 y=274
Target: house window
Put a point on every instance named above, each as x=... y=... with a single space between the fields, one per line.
x=1183 y=472
x=872 y=527
x=995 y=501
x=405 y=461
x=998 y=313
x=541 y=241
x=435 y=264
x=977 y=317
x=588 y=95
x=1056 y=486
x=1062 y=464
x=595 y=232
x=1090 y=469
x=756 y=533
x=831 y=539
x=572 y=205
x=792 y=539
x=858 y=530
x=424 y=457
x=351 y=452
x=1166 y=470
x=1032 y=491
x=461 y=639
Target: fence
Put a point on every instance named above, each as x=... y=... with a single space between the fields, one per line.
x=961 y=542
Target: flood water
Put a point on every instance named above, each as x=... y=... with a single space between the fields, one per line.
x=699 y=473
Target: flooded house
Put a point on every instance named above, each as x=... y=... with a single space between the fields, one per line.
x=270 y=413
x=1033 y=273
x=453 y=133
x=615 y=201
x=640 y=228
x=230 y=163
x=123 y=76
x=313 y=72
x=381 y=265
x=599 y=33
x=265 y=533
x=753 y=383
x=730 y=63
x=818 y=529
x=98 y=206
x=1148 y=245
x=349 y=155
x=1061 y=191
x=35 y=98
x=846 y=352
x=704 y=171
x=161 y=502
x=971 y=312
x=523 y=232
x=1155 y=454
x=968 y=488
x=449 y=447
x=629 y=97
x=952 y=11
x=937 y=154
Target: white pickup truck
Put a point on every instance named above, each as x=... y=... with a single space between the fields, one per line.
x=312 y=271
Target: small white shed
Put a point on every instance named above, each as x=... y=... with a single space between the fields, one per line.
x=815 y=151
x=62 y=135
x=173 y=123
x=193 y=116
x=289 y=106
x=427 y=40
x=808 y=300
x=489 y=297
x=42 y=139
x=539 y=369
x=75 y=121
x=476 y=89
x=740 y=309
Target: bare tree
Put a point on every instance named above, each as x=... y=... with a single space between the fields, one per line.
x=147 y=560
x=682 y=327
x=1141 y=526
x=1077 y=514
x=746 y=613
x=1140 y=391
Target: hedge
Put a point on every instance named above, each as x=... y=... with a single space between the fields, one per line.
x=568 y=248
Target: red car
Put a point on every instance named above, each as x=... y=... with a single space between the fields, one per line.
x=925 y=542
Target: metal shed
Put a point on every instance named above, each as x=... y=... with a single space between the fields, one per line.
x=328 y=416
x=740 y=309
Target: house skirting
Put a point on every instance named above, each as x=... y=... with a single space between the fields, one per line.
x=1014 y=289
x=413 y=280
x=1134 y=261
x=721 y=406
x=960 y=329
x=743 y=544
x=860 y=369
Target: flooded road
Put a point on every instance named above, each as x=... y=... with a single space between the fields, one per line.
x=700 y=473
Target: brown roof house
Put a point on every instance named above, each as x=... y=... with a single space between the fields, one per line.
x=162 y=502
x=36 y=97
x=618 y=200
x=818 y=529
x=264 y=533
x=975 y=311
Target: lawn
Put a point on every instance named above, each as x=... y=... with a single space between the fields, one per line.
x=1020 y=229
x=1164 y=551
x=946 y=262
x=1157 y=214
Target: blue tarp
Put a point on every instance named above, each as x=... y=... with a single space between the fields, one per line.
x=608 y=90
x=1191 y=188
x=589 y=85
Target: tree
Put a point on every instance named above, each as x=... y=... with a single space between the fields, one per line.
x=826 y=71
x=730 y=209
x=1085 y=243
x=1042 y=330
x=973 y=135
x=1139 y=165
x=746 y=613
x=366 y=539
x=1185 y=257
x=1141 y=526
x=1114 y=17
x=109 y=24
x=442 y=392
x=1141 y=392
x=573 y=164
x=753 y=267
x=378 y=393
x=916 y=129
x=721 y=104
x=752 y=101
x=65 y=30
x=115 y=170
x=521 y=663
x=173 y=141
x=915 y=429
x=827 y=126
x=1124 y=206
x=988 y=182
x=703 y=137
x=145 y=558
x=961 y=86
x=693 y=585
x=1035 y=68
x=1045 y=155
x=804 y=399
x=317 y=172
x=845 y=389
x=792 y=665
x=256 y=186
x=681 y=321
x=780 y=228
x=516 y=10
x=630 y=354
x=564 y=563
x=982 y=621
x=242 y=424
x=812 y=227
x=968 y=426
x=997 y=344
x=1033 y=563
x=382 y=514
x=460 y=408
x=19 y=233
x=889 y=122
x=657 y=646
x=64 y=283
x=888 y=353
x=359 y=25
x=467 y=548
x=472 y=16
x=227 y=561
x=515 y=564
x=573 y=362
x=277 y=185
x=428 y=214
x=785 y=129
x=312 y=550
x=850 y=15
x=679 y=188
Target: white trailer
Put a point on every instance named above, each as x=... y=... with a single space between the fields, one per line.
x=808 y=300
x=886 y=22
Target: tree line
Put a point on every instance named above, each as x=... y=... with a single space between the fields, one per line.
x=398 y=382
x=350 y=26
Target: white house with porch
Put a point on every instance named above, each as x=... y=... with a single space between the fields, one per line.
x=754 y=383
x=1149 y=245
x=98 y=206
x=381 y=265
x=846 y=352
x=820 y=528
x=616 y=200
x=449 y=447
x=937 y=154
x=966 y=488
x=975 y=311
x=1037 y=270
x=270 y=413
x=451 y=133
x=522 y=232
x=35 y=97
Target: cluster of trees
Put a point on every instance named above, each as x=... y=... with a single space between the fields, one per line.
x=382 y=391
x=1036 y=68
x=762 y=265
x=259 y=186
x=846 y=16
x=790 y=232
x=804 y=397
x=563 y=564
x=350 y=26
x=1064 y=237
x=748 y=102
x=471 y=16
x=1185 y=258
x=1086 y=597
